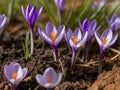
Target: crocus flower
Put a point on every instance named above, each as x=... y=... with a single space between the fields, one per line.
x=49 y=79
x=99 y=5
x=91 y=27
x=106 y=40
x=52 y=36
x=31 y=15
x=60 y=4
x=2 y=22
x=75 y=40
x=14 y=74
x=114 y=22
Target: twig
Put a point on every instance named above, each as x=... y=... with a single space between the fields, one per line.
x=116 y=51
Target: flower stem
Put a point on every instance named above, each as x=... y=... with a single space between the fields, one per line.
x=63 y=71
x=60 y=17
x=100 y=61
x=87 y=49
x=31 y=42
x=55 y=52
x=13 y=87
x=73 y=57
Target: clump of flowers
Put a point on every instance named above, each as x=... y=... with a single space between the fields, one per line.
x=106 y=40
x=2 y=22
x=90 y=27
x=49 y=79
x=114 y=22
x=52 y=36
x=31 y=15
x=75 y=39
x=14 y=74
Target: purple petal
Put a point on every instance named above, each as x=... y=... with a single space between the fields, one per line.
x=109 y=35
x=102 y=3
x=86 y=25
x=50 y=72
x=2 y=21
x=50 y=28
x=24 y=71
x=44 y=36
x=78 y=33
x=80 y=43
x=60 y=4
x=69 y=33
x=60 y=33
x=41 y=80
x=114 y=39
x=59 y=78
x=97 y=36
x=71 y=43
x=29 y=7
x=39 y=13
x=80 y=25
x=113 y=18
x=93 y=25
x=31 y=18
x=24 y=12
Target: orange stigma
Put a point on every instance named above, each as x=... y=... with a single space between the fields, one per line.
x=49 y=80
x=104 y=40
x=75 y=39
x=14 y=75
x=53 y=36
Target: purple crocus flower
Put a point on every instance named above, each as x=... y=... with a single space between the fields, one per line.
x=14 y=74
x=60 y=4
x=114 y=22
x=99 y=5
x=106 y=40
x=75 y=40
x=52 y=36
x=91 y=27
x=31 y=15
x=49 y=79
x=2 y=22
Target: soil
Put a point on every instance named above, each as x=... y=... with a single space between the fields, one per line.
x=84 y=76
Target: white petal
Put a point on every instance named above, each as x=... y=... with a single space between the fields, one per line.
x=98 y=39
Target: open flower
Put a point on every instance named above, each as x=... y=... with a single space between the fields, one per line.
x=31 y=14
x=60 y=4
x=75 y=40
x=114 y=22
x=49 y=79
x=2 y=22
x=106 y=40
x=52 y=36
x=14 y=74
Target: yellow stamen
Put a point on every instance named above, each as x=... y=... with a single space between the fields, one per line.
x=14 y=75
x=49 y=80
x=104 y=40
x=53 y=36
x=75 y=39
